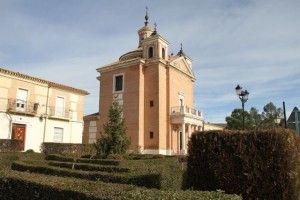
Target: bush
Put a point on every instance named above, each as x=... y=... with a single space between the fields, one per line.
x=115 y=157
x=8 y=145
x=258 y=165
x=60 y=158
x=30 y=151
x=88 y=167
x=28 y=186
x=76 y=150
x=144 y=156
x=145 y=180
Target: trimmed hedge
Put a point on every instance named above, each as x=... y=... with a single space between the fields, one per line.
x=56 y=157
x=10 y=145
x=147 y=180
x=88 y=167
x=14 y=185
x=76 y=150
x=260 y=164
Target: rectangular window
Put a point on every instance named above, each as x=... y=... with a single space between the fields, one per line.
x=60 y=107
x=151 y=104
x=58 y=135
x=92 y=131
x=151 y=135
x=21 y=100
x=118 y=83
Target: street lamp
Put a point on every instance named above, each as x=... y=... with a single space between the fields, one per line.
x=243 y=96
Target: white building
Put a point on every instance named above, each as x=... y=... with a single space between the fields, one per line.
x=34 y=110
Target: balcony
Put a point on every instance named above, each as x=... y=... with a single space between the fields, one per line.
x=22 y=107
x=180 y=114
x=59 y=113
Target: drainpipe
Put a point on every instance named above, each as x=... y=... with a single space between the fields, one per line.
x=46 y=114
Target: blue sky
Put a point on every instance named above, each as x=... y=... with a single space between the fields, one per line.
x=252 y=43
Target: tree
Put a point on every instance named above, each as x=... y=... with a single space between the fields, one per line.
x=114 y=140
x=270 y=114
x=256 y=118
x=235 y=120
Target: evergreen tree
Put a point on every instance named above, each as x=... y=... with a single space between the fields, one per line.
x=114 y=140
x=270 y=114
x=235 y=120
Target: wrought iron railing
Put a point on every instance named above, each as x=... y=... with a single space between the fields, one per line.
x=185 y=110
x=20 y=106
x=59 y=112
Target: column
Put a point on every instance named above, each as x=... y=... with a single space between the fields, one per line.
x=189 y=130
x=183 y=138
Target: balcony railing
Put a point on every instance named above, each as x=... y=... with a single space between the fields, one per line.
x=59 y=112
x=185 y=110
x=20 y=106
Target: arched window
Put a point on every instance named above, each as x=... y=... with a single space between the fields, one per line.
x=163 y=53
x=150 y=52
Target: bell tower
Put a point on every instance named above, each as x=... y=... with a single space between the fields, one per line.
x=145 y=31
x=152 y=44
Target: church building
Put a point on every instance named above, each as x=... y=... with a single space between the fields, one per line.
x=155 y=89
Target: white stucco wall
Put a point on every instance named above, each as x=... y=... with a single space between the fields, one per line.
x=35 y=130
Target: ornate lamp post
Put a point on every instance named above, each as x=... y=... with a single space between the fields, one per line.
x=243 y=96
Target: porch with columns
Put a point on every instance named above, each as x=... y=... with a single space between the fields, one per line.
x=184 y=122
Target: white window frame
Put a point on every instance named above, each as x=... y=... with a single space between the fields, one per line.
x=26 y=101
x=62 y=136
x=114 y=82
x=64 y=107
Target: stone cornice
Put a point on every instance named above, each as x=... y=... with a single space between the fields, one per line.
x=121 y=64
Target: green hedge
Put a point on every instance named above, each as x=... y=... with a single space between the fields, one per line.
x=88 y=167
x=146 y=180
x=76 y=150
x=28 y=186
x=10 y=145
x=257 y=164
x=61 y=158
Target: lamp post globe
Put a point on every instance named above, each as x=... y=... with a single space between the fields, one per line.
x=243 y=96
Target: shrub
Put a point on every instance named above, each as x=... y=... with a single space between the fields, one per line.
x=88 y=167
x=145 y=180
x=258 y=165
x=76 y=150
x=115 y=157
x=144 y=156
x=30 y=151
x=60 y=158
x=29 y=186
x=9 y=145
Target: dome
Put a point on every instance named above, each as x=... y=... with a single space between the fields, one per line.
x=132 y=54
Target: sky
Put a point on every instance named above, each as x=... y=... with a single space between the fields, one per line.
x=253 y=43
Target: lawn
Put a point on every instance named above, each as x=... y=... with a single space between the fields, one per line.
x=34 y=177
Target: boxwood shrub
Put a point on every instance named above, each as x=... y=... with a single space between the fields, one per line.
x=61 y=158
x=88 y=166
x=261 y=164
x=29 y=186
x=150 y=180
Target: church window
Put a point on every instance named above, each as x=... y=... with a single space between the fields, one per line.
x=118 y=83
x=150 y=52
x=151 y=103
x=151 y=135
